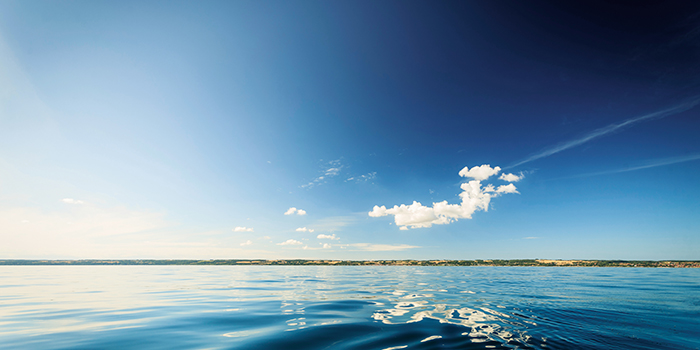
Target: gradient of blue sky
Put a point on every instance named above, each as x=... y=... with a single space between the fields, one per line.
x=152 y=129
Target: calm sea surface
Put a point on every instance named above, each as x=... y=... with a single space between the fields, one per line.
x=334 y=307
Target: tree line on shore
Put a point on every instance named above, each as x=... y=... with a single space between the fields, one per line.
x=494 y=262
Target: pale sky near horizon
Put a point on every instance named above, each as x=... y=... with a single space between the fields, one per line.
x=349 y=130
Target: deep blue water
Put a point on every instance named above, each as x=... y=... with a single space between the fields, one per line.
x=334 y=307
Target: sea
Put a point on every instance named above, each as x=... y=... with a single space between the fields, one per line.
x=348 y=307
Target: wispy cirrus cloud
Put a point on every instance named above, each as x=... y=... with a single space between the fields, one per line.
x=381 y=247
x=649 y=164
x=363 y=178
x=243 y=229
x=290 y=242
x=682 y=107
x=330 y=169
x=85 y=231
x=72 y=201
x=335 y=223
x=322 y=236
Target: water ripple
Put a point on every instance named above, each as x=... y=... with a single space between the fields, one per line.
x=344 y=308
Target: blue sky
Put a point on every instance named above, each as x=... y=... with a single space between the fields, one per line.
x=188 y=129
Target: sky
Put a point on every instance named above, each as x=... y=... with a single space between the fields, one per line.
x=349 y=130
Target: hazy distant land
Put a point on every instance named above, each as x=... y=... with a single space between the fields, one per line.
x=518 y=262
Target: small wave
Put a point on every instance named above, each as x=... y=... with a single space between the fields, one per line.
x=432 y=337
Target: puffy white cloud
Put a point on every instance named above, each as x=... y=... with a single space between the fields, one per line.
x=294 y=210
x=415 y=214
x=480 y=173
x=474 y=198
x=248 y=242
x=509 y=188
x=72 y=201
x=290 y=242
x=243 y=229
x=378 y=211
x=322 y=236
x=304 y=229
x=326 y=246
x=511 y=177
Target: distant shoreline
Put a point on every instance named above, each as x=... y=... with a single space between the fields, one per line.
x=302 y=262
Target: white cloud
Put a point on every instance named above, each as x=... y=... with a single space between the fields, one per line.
x=294 y=210
x=480 y=173
x=304 y=229
x=332 y=172
x=509 y=188
x=363 y=178
x=474 y=198
x=416 y=214
x=322 y=236
x=326 y=246
x=248 y=242
x=243 y=229
x=290 y=242
x=382 y=247
x=368 y=176
x=331 y=169
x=511 y=177
x=72 y=201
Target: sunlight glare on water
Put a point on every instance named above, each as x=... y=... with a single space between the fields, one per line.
x=336 y=307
